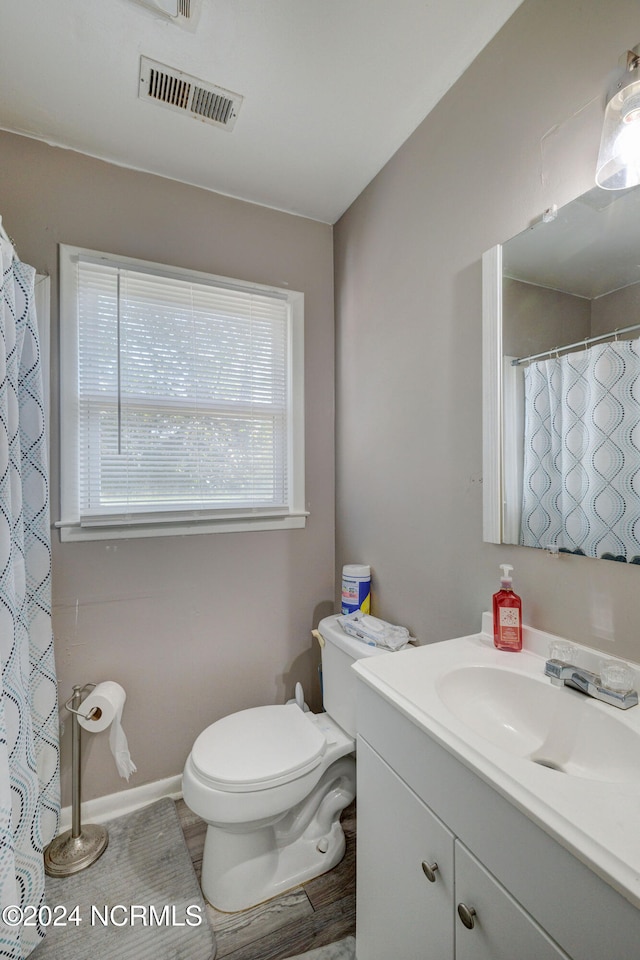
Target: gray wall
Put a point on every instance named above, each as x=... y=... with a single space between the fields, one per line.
x=518 y=132
x=535 y=318
x=618 y=309
x=193 y=627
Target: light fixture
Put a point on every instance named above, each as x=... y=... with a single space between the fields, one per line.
x=619 y=158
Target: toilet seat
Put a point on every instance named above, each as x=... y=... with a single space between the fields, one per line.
x=258 y=748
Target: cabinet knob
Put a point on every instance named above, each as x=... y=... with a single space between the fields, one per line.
x=429 y=870
x=467 y=915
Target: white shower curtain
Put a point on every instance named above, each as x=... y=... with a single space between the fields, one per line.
x=29 y=755
x=581 y=476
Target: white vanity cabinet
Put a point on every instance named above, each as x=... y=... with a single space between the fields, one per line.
x=418 y=803
x=400 y=911
x=416 y=882
x=501 y=929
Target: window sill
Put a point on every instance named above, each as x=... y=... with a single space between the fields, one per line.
x=72 y=532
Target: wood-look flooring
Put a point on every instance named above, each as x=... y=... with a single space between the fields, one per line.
x=309 y=916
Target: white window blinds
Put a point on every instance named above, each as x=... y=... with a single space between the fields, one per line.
x=183 y=397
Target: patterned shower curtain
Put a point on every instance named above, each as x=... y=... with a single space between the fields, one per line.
x=581 y=476
x=29 y=755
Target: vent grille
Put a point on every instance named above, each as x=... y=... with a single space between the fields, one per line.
x=181 y=92
x=177 y=10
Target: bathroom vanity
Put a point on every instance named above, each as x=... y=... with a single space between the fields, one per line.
x=497 y=814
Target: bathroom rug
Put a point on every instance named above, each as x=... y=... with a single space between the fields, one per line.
x=341 y=950
x=140 y=901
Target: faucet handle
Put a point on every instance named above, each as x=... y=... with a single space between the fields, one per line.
x=616 y=676
x=562 y=650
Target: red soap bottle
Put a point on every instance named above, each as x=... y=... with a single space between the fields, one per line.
x=507 y=614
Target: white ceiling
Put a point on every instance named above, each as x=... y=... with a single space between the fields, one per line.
x=332 y=88
x=589 y=249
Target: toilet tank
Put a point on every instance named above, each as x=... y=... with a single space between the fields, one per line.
x=339 y=681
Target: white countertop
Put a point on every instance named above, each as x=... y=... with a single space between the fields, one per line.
x=597 y=820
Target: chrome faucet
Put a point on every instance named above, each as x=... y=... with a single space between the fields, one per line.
x=562 y=673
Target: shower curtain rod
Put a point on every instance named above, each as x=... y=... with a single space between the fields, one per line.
x=578 y=343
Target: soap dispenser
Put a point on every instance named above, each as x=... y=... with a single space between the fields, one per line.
x=507 y=614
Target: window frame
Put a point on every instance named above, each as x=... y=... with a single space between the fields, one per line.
x=70 y=526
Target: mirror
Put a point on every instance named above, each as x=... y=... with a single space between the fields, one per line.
x=567 y=287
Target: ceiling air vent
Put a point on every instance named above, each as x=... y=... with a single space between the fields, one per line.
x=185 y=94
x=179 y=10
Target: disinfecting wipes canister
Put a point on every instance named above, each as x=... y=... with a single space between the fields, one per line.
x=356 y=588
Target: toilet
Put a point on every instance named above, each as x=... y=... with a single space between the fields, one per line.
x=271 y=783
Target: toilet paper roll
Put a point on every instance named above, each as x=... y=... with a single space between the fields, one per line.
x=107 y=701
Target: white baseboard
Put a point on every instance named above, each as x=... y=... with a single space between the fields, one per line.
x=125 y=801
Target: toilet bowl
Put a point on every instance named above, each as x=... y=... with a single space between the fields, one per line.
x=271 y=783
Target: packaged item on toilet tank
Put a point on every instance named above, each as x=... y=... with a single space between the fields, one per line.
x=356 y=588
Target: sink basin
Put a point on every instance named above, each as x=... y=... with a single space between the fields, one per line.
x=555 y=727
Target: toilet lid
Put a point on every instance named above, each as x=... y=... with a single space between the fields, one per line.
x=258 y=748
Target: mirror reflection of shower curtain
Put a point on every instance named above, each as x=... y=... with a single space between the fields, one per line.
x=581 y=473
x=29 y=757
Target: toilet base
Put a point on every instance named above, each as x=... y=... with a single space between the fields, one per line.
x=243 y=866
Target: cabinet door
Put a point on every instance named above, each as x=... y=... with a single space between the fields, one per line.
x=501 y=929
x=399 y=911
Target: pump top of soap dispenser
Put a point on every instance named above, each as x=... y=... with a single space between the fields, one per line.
x=505 y=579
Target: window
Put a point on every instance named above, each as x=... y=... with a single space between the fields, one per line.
x=181 y=401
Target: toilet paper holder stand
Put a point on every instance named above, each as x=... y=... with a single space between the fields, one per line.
x=85 y=716
x=79 y=847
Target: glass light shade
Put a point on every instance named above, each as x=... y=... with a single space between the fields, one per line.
x=619 y=158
